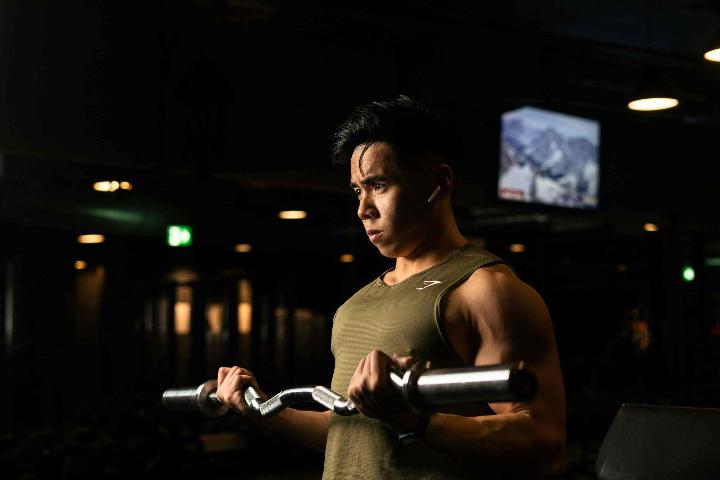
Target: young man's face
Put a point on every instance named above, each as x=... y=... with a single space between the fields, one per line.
x=392 y=202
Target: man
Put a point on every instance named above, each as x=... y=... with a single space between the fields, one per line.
x=446 y=301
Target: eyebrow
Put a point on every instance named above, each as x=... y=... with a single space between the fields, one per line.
x=369 y=180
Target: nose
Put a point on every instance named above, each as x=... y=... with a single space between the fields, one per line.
x=366 y=208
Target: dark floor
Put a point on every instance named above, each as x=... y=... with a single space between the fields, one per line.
x=153 y=444
x=84 y=453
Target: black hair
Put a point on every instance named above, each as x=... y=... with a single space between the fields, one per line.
x=410 y=128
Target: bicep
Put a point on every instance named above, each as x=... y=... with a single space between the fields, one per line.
x=515 y=325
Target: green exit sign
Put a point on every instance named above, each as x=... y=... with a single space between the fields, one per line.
x=688 y=274
x=179 y=235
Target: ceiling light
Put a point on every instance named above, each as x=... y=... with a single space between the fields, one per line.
x=347 y=258
x=80 y=265
x=712 y=51
x=713 y=55
x=182 y=275
x=517 y=248
x=652 y=104
x=292 y=214
x=91 y=238
x=653 y=93
x=104 y=186
x=111 y=186
x=243 y=247
x=650 y=227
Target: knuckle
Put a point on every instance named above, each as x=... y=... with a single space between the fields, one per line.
x=374 y=384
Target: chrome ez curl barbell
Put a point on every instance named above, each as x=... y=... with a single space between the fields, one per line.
x=423 y=389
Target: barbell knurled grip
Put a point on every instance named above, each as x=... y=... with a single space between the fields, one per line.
x=325 y=397
x=333 y=401
x=271 y=406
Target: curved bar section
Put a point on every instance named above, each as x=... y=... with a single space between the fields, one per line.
x=286 y=398
x=252 y=397
x=332 y=401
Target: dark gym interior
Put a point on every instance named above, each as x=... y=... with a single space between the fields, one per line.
x=217 y=115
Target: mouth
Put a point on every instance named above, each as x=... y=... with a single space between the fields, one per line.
x=373 y=234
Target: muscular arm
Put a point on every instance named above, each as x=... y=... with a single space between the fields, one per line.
x=509 y=322
x=305 y=426
x=512 y=322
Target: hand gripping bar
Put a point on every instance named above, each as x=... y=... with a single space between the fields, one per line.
x=422 y=388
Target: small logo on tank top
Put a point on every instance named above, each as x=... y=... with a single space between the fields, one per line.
x=428 y=283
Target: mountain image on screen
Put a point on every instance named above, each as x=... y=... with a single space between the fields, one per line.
x=549 y=158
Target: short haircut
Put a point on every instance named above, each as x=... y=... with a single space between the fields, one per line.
x=410 y=127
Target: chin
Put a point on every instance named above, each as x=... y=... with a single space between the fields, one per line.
x=384 y=250
x=388 y=251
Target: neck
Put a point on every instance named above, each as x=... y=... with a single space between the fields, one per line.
x=442 y=240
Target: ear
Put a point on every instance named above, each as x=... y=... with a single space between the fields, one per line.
x=445 y=176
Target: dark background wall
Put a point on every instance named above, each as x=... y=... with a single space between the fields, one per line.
x=220 y=114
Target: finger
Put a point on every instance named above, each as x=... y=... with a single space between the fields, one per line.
x=361 y=366
x=359 y=385
x=228 y=375
x=243 y=372
x=356 y=380
x=404 y=362
x=221 y=375
x=365 y=404
x=251 y=381
x=369 y=380
x=232 y=390
x=358 y=375
x=221 y=389
x=239 y=391
x=380 y=372
x=384 y=397
x=379 y=362
x=232 y=381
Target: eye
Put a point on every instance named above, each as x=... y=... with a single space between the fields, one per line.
x=378 y=186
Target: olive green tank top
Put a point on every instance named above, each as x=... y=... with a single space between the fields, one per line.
x=394 y=319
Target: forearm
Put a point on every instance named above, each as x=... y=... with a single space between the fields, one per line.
x=305 y=426
x=515 y=435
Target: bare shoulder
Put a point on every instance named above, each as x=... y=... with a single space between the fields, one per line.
x=498 y=285
x=504 y=308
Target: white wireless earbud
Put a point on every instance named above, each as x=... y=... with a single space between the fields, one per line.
x=433 y=194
